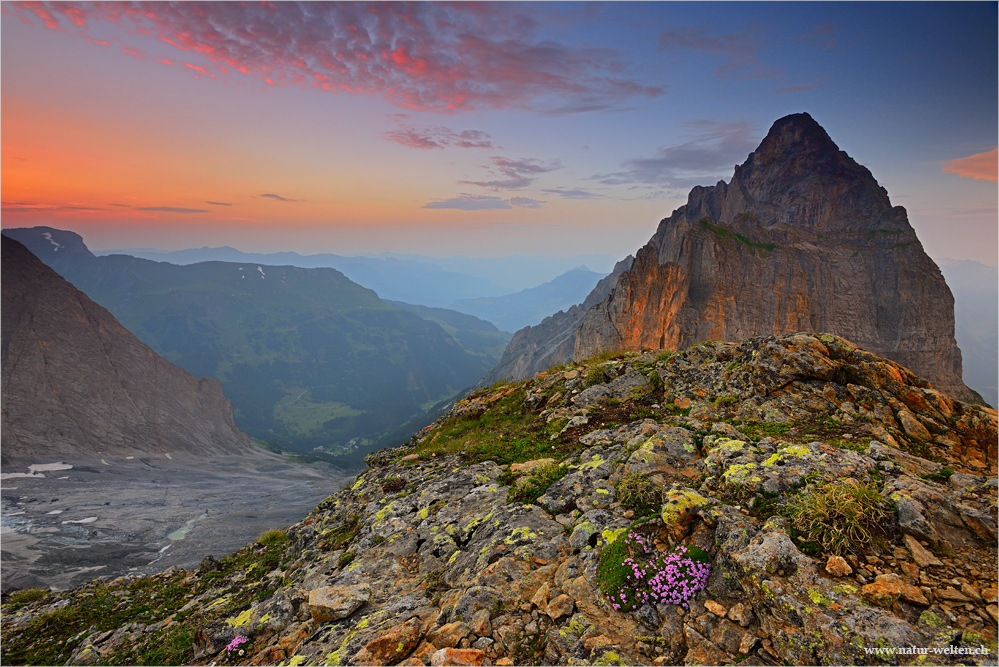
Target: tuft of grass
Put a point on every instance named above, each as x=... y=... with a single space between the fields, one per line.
x=272 y=537
x=507 y=432
x=595 y=375
x=760 y=430
x=343 y=535
x=26 y=596
x=532 y=488
x=940 y=476
x=636 y=491
x=842 y=516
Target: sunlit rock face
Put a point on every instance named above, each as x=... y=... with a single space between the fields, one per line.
x=802 y=239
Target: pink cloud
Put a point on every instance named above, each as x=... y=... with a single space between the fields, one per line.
x=515 y=174
x=980 y=166
x=439 y=137
x=441 y=57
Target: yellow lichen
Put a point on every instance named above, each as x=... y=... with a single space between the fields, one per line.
x=741 y=473
x=242 y=619
x=610 y=535
x=678 y=501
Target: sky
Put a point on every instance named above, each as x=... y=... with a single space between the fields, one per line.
x=477 y=129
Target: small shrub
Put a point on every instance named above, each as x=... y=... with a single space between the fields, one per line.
x=631 y=574
x=840 y=516
x=635 y=491
x=345 y=559
x=506 y=477
x=725 y=400
x=664 y=356
x=435 y=585
x=532 y=488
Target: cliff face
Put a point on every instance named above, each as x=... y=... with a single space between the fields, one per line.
x=802 y=239
x=78 y=385
x=533 y=349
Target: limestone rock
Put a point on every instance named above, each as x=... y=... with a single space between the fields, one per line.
x=331 y=603
x=838 y=567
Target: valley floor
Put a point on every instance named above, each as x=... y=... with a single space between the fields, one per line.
x=61 y=527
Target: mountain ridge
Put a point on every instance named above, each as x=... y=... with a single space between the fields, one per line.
x=308 y=357
x=76 y=384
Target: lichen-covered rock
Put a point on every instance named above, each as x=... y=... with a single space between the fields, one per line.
x=331 y=603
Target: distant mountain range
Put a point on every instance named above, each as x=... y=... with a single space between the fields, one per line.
x=307 y=357
x=976 y=322
x=419 y=279
x=512 y=312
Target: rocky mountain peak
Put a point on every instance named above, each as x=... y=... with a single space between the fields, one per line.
x=801 y=239
x=50 y=243
x=799 y=177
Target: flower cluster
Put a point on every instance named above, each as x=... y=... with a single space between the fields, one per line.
x=631 y=574
x=235 y=643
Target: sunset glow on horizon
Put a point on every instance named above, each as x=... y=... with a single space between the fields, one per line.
x=475 y=128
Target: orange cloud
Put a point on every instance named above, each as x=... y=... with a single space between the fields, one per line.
x=981 y=166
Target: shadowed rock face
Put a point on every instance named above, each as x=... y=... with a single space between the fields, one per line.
x=78 y=385
x=802 y=239
x=533 y=349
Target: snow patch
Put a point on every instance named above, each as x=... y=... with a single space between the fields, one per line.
x=39 y=467
x=169 y=457
x=89 y=519
x=105 y=462
x=129 y=457
x=35 y=470
x=48 y=235
x=11 y=475
x=56 y=512
x=262 y=274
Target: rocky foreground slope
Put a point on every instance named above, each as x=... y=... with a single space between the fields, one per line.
x=785 y=500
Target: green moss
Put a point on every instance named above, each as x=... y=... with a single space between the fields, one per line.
x=726 y=233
